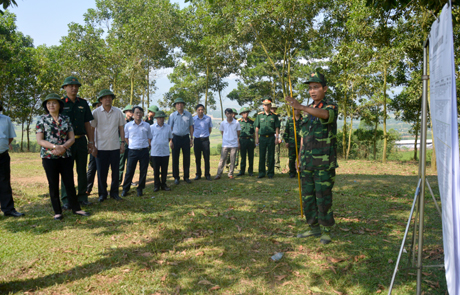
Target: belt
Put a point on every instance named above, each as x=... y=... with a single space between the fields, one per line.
x=79 y=136
x=4 y=153
x=246 y=137
x=202 y=138
x=141 y=149
x=180 y=136
x=268 y=135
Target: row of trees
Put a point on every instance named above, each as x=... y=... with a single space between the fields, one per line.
x=365 y=48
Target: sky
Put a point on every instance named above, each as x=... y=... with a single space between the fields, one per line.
x=47 y=22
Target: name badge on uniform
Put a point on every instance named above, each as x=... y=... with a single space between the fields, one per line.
x=80 y=107
x=262 y=119
x=66 y=108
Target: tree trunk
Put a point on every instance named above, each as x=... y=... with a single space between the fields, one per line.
x=132 y=89
x=206 y=92
x=221 y=107
x=22 y=136
x=148 y=86
x=384 y=154
x=349 y=138
x=344 y=129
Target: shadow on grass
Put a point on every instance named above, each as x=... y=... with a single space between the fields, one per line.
x=225 y=232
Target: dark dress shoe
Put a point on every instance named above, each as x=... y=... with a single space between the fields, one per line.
x=124 y=193
x=60 y=217
x=240 y=174
x=261 y=176
x=291 y=175
x=116 y=198
x=14 y=213
x=85 y=203
x=197 y=177
x=82 y=214
x=65 y=207
x=166 y=188
x=208 y=177
x=271 y=176
x=187 y=180
x=176 y=181
x=156 y=188
x=102 y=199
x=139 y=193
x=251 y=174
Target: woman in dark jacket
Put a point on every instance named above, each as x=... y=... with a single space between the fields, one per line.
x=55 y=136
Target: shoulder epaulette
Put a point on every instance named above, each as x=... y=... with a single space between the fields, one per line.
x=260 y=113
x=239 y=119
x=274 y=113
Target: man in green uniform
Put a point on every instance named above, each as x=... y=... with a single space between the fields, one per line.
x=274 y=108
x=290 y=140
x=150 y=118
x=318 y=158
x=77 y=109
x=267 y=127
x=247 y=139
x=128 y=111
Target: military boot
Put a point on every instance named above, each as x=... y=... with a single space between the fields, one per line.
x=325 y=237
x=314 y=230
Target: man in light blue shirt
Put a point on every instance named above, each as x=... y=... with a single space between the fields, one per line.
x=159 y=153
x=138 y=137
x=181 y=123
x=6 y=194
x=202 y=127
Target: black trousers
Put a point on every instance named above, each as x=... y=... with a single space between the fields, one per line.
x=105 y=159
x=160 y=163
x=202 y=147
x=91 y=174
x=134 y=156
x=181 y=142
x=6 y=194
x=64 y=167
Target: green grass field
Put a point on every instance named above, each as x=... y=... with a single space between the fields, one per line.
x=218 y=237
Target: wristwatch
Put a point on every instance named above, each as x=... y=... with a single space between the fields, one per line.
x=54 y=146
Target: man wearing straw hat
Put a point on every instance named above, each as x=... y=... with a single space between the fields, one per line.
x=77 y=109
x=318 y=158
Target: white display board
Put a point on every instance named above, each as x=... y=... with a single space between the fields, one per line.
x=443 y=108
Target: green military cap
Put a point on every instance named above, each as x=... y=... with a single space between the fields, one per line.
x=94 y=103
x=105 y=92
x=70 y=80
x=274 y=106
x=153 y=109
x=178 y=100
x=316 y=77
x=234 y=111
x=267 y=100
x=128 y=108
x=52 y=96
x=160 y=114
x=244 y=110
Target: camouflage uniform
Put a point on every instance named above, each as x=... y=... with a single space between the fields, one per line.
x=318 y=162
x=288 y=137
x=247 y=143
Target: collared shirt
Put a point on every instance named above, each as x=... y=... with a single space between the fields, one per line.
x=230 y=135
x=247 y=127
x=201 y=126
x=160 y=140
x=54 y=133
x=267 y=123
x=78 y=112
x=180 y=124
x=107 y=128
x=138 y=135
x=6 y=132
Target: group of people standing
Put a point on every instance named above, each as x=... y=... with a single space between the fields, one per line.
x=69 y=131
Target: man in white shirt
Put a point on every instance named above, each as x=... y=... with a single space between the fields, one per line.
x=138 y=137
x=108 y=122
x=230 y=130
x=159 y=153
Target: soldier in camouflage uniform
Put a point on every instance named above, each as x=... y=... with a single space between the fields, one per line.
x=128 y=110
x=289 y=138
x=318 y=158
x=246 y=142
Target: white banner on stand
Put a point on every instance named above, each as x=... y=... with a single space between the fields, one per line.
x=443 y=109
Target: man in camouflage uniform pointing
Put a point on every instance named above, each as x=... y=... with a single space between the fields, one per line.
x=318 y=158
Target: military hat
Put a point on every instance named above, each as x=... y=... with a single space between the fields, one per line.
x=52 y=96
x=316 y=77
x=128 y=108
x=178 y=100
x=94 y=103
x=153 y=109
x=160 y=114
x=234 y=111
x=105 y=92
x=244 y=110
x=274 y=106
x=267 y=100
x=70 y=80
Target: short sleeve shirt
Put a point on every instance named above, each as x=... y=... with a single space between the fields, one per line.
x=107 y=128
x=160 y=140
x=78 y=112
x=138 y=135
x=6 y=132
x=180 y=124
x=201 y=126
x=55 y=133
x=267 y=124
x=230 y=135
x=319 y=150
